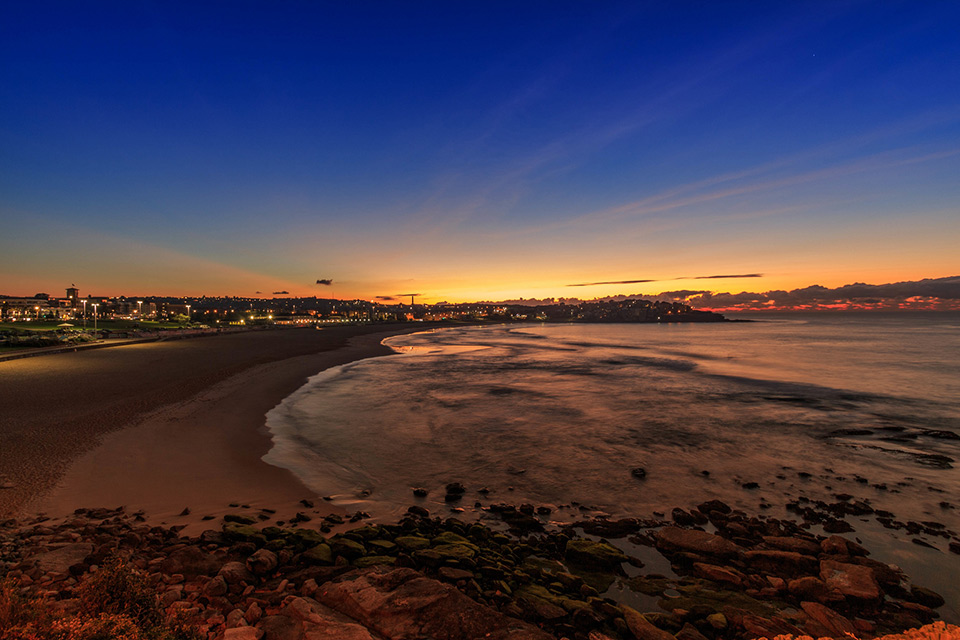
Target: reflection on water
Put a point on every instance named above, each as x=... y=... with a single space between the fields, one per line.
x=555 y=414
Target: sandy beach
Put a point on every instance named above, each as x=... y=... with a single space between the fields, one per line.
x=163 y=427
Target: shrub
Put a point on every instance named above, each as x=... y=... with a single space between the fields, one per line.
x=117 y=588
x=116 y=603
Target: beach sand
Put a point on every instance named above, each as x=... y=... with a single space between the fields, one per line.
x=165 y=426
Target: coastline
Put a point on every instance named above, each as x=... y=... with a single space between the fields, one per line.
x=179 y=453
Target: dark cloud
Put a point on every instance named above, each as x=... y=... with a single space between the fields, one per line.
x=593 y=284
x=325 y=282
x=385 y=298
x=407 y=295
x=740 y=275
x=281 y=293
x=932 y=293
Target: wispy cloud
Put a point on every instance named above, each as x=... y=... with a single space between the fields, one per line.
x=716 y=277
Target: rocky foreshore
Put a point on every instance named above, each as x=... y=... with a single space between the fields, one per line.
x=720 y=574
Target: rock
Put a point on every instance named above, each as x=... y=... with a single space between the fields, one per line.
x=191 y=562
x=420 y=492
x=412 y=543
x=643 y=629
x=926 y=597
x=796 y=545
x=639 y=473
x=369 y=561
x=714 y=505
x=280 y=628
x=235 y=573
x=243 y=533
x=455 y=488
x=781 y=563
x=824 y=621
x=536 y=601
x=347 y=548
x=700 y=542
x=852 y=580
x=253 y=613
x=418 y=511
x=61 y=559
x=682 y=517
x=455 y=551
x=750 y=485
x=243 y=633
x=401 y=603
x=453 y=575
x=238 y=519
x=262 y=562
x=689 y=632
x=840 y=546
x=809 y=588
x=718 y=574
x=758 y=626
x=592 y=555
x=216 y=587
x=717 y=620
x=321 y=554
x=322 y=623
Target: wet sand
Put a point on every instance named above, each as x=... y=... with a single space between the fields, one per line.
x=162 y=426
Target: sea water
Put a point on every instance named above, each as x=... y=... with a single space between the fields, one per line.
x=560 y=415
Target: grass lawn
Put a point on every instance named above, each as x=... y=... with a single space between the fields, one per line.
x=116 y=325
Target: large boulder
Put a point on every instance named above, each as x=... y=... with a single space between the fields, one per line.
x=643 y=629
x=714 y=573
x=323 y=623
x=190 y=561
x=852 y=580
x=595 y=556
x=235 y=573
x=673 y=539
x=825 y=622
x=60 y=560
x=402 y=603
x=781 y=563
x=794 y=544
x=262 y=562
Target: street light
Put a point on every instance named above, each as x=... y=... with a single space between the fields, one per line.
x=139 y=308
x=95 y=305
x=188 y=314
x=84 y=314
x=37 y=309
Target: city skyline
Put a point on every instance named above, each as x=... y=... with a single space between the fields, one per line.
x=475 y=153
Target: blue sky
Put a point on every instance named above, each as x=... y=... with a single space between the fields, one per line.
x=475 y=150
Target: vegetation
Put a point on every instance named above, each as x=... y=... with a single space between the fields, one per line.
x=116 y=603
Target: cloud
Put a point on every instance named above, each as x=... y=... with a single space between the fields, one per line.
x=932 y=293
x=281 y=293
x=385 y=298
x=325 y=282
x=592 y=284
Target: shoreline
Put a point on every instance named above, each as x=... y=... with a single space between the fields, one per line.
x=177 y=457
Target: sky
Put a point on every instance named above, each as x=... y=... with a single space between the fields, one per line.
x=476 y=150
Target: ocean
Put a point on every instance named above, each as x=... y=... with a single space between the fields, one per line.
x=803 y=405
